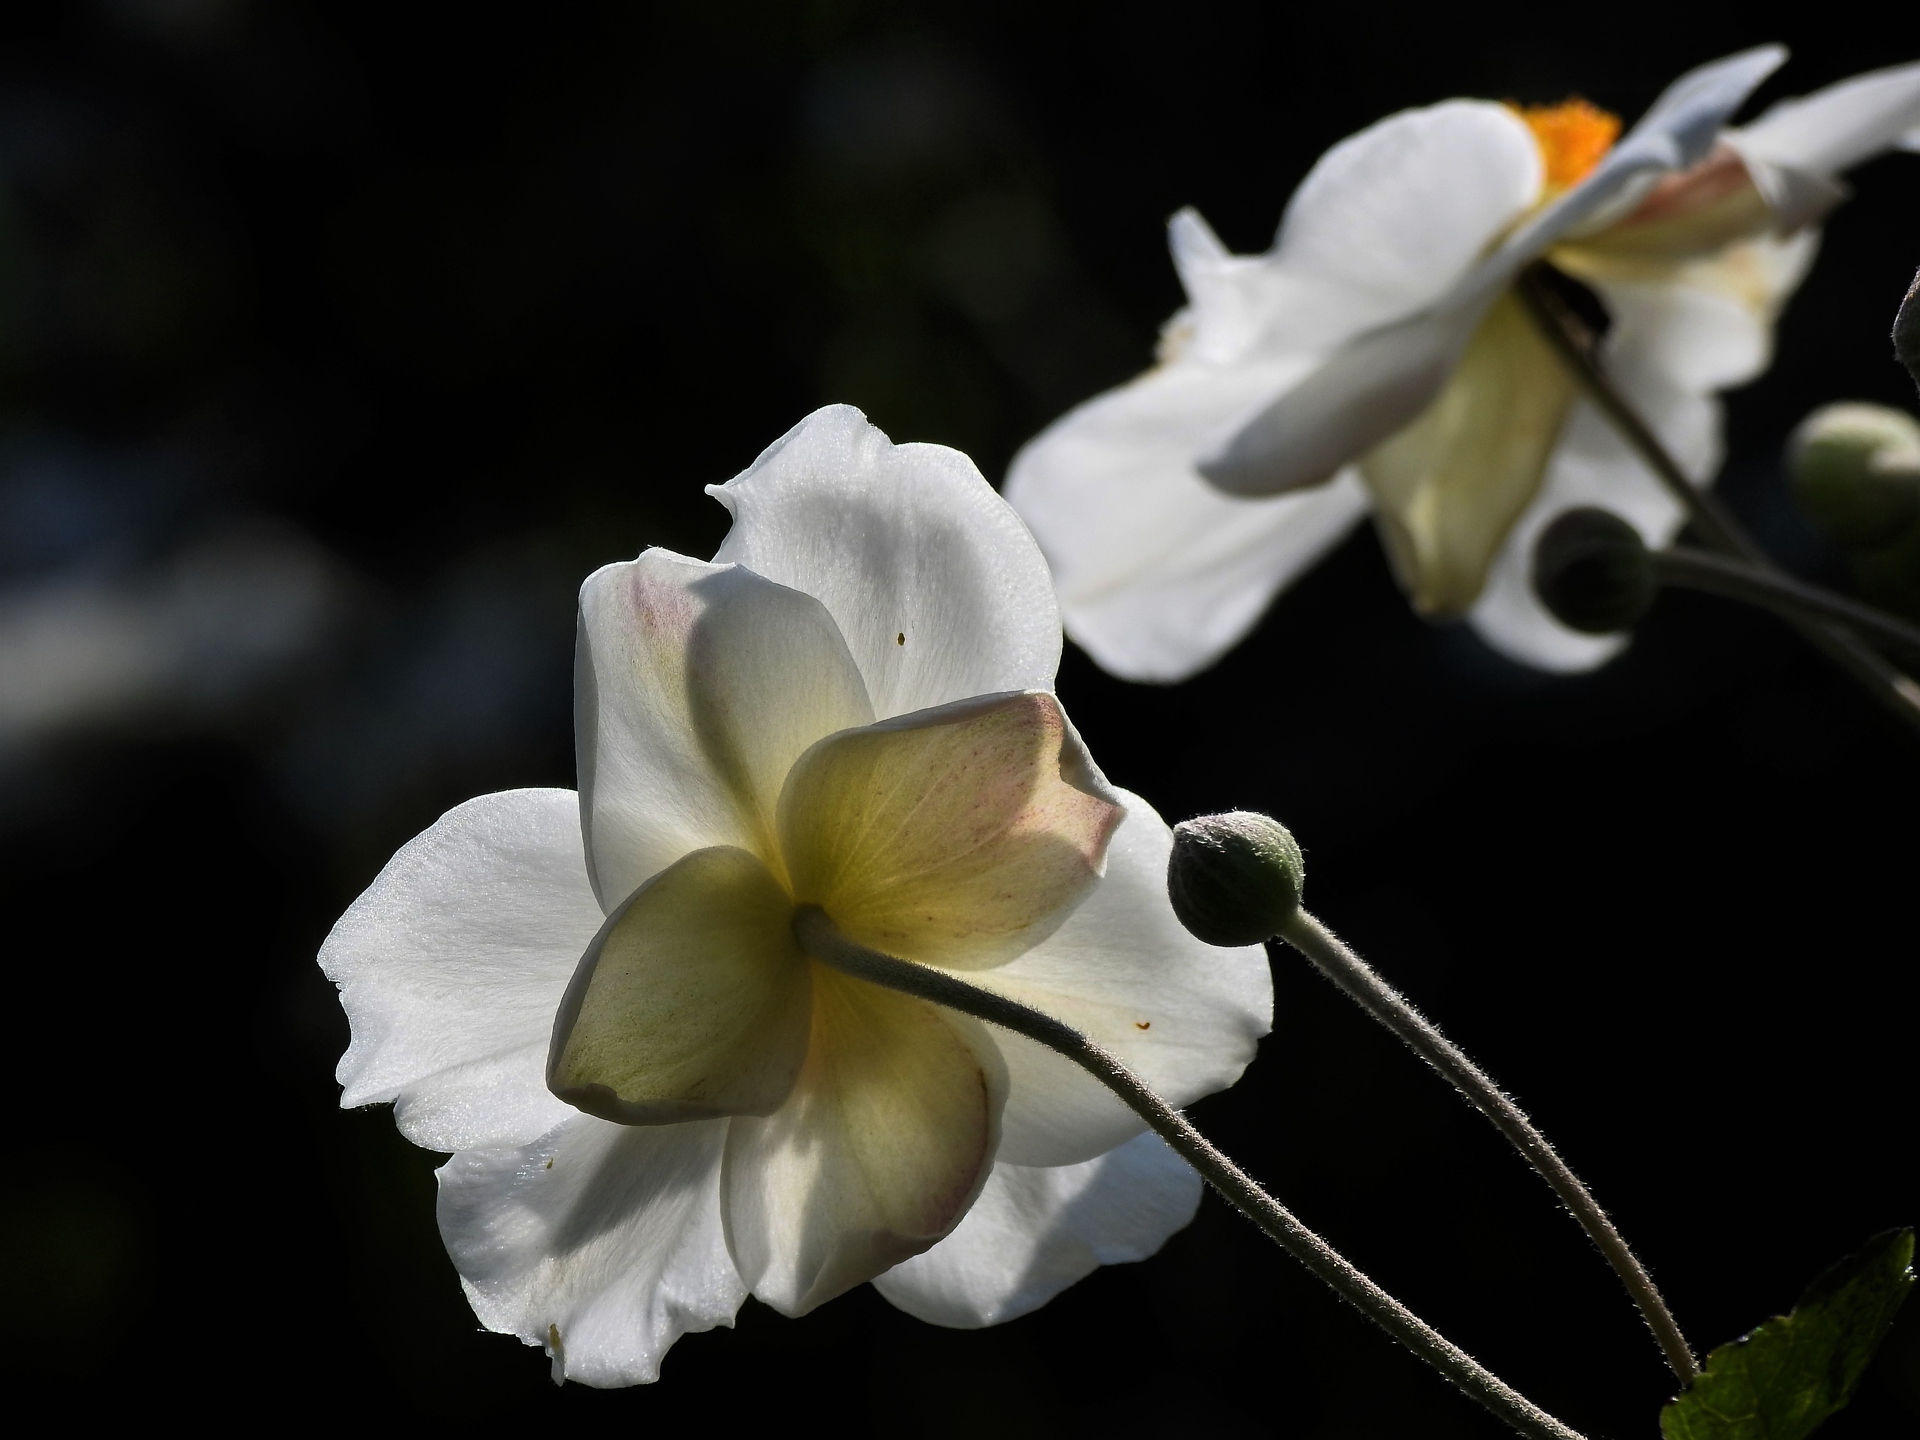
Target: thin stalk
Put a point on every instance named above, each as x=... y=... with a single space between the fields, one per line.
x=1567 y=334
x=1387 y=1005
x=820 y=939
x=1786 y=596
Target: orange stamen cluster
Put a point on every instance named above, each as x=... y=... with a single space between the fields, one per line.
x=1572 y=137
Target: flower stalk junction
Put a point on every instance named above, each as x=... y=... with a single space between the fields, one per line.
x=1575 y=345
x=772 y=1005
x=817 y=935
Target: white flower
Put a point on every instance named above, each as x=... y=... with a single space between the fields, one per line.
x=851 y=707
x=1376 y=359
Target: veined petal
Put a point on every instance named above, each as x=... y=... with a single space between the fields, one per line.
x=450 y=966
x=602 y=1243
x=1036 y=1230
x=1448 y=488
x=1837 y=127
x=885 y=1142
x=697 y=686
x=1159 y=573
x=960 y=835
x=1185 y=1016
x=937 y=587
x=692 y=1001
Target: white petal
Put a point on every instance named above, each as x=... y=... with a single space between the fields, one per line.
x=1383 y=379
x=1379 y=382
x=1159 y=573
x=1835 y=128
x=601 y=1242
x=696 y=687
x=452 y=963
x=1685 y=337
x=1036 y=1230
x=937 y=586
x=1400 y=210
x=1364 y=393
x=1183 y=1015
x=886 y=1140
x=1385 y=222
x=1232 y=299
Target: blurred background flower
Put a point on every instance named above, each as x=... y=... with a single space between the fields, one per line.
x=338 y=343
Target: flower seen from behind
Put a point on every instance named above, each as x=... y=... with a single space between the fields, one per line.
x=1376 y=360
x=656 y=1103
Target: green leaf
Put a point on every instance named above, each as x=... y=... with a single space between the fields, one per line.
x=1781 y=1380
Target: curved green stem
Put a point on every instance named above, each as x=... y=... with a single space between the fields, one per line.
x=823 y=941
x=1791 y=598
x=1576 y=348
x=1387 y=1005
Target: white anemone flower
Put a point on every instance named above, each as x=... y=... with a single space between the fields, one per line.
x=657 y=1104
x=1376 y=360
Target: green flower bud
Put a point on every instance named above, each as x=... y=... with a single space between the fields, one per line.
x=1234 y=879
x=1855 y=471
x=1591 y=571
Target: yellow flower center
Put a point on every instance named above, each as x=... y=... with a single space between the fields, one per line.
x=1572 y=137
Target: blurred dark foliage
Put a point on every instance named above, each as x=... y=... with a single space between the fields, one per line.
x=338 y=342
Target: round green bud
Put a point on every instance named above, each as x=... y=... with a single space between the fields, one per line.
x=1591 y=571
x=1234 y=879
x=1855 y=471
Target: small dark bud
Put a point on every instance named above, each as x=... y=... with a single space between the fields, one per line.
x=1590 y=569
x=1906 y=331
x=1855 y=471
x=1234 y=879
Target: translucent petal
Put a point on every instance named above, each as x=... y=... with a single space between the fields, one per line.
x=450 y=966
x=696 y=687
x=692 y=1001
x=602 y=1243
x=1184 y=1016
x=1447 y=489
x=959 y=835
x=1035 y=1231
x=883 y=1145
x=937 y=587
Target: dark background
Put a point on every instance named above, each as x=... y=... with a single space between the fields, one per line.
x=339 y=341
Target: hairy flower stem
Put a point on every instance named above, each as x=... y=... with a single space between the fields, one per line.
x=1387 y=1005
x=820 y=939
x=1786 y=596
x=1577 y=349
